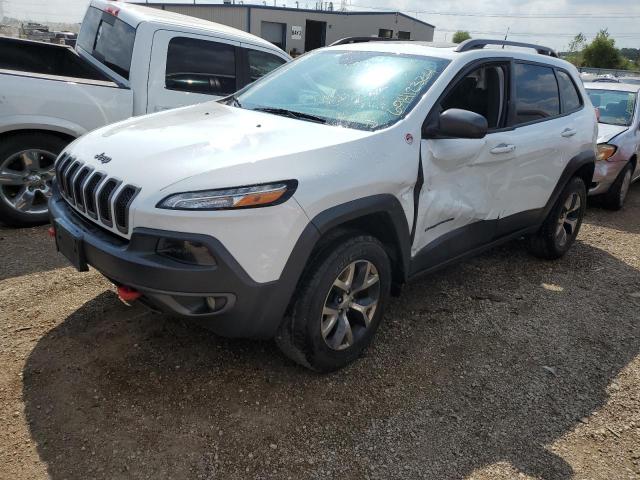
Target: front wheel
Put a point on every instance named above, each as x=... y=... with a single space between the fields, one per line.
x=339 y=305
x=561 y=227
x=26 y=175
x=617 y=194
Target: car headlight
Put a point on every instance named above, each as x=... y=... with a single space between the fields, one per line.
x=605 y=151
x=232 y=198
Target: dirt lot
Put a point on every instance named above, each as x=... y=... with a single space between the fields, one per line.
x=502 y=367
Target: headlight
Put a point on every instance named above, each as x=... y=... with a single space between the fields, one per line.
x=605 y=151
x=232 y=198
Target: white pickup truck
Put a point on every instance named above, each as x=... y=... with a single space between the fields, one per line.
x=129 y=60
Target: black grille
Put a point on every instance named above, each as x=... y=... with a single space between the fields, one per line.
x=77 y=186
x=94 y=193
x=90 y=193
x=68 y=180
x=104 y=201
x=121 y=207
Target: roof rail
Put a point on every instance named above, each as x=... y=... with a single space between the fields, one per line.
x=348 y=40
x=477 y=44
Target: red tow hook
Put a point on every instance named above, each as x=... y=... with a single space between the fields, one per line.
x=52 y=232
x=128 y=294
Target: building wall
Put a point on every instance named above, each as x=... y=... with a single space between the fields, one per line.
x=338 y=25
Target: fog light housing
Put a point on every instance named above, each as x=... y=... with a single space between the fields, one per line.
x=186 y=251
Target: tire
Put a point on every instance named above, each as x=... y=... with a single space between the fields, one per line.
x=315 y=337
x=561 y=227
x=617 y=194
x=26 y=173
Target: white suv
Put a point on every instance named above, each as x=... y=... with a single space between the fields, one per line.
x=292 y=209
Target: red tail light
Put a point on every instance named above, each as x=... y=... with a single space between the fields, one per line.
x=51 y=232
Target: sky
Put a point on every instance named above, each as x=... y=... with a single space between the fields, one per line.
x=483 y=18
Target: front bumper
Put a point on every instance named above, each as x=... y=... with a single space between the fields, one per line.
x=605 y=175
x=243 y=307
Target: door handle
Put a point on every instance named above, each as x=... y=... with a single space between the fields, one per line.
x=503 y=148
x=569 y=132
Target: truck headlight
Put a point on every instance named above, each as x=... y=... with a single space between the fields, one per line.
x=605 y=151
x=253 y=196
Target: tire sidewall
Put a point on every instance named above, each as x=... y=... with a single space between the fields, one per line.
x=319 y=355
x=576 y=185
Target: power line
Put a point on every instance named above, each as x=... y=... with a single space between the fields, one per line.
x=511 y=15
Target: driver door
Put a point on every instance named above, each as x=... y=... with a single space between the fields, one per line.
x=459 y=201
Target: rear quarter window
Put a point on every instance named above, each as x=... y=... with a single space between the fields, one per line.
x=571 y=99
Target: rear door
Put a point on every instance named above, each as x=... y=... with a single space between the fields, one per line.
x=542 y=137
x=188 y=69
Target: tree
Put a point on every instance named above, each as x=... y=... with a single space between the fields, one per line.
x=460 y=36
x=576 y=46
x=602 y=52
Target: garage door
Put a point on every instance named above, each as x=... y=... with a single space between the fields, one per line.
x=274 y=33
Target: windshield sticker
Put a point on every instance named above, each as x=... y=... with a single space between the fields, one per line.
x=402 y=101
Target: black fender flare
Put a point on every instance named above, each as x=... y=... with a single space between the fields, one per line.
x=385 y=204
x=577 y=163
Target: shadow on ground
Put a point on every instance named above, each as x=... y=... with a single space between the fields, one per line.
x=27 y=250
x=597 y=215
x=488 y=361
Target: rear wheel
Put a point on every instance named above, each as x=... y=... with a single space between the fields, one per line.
x=26 y=175
x=617 y=194
x=561 y=227
x=339 y=305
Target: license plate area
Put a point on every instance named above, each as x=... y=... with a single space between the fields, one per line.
x=69 y=243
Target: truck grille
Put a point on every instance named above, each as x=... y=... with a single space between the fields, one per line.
x=103 y=199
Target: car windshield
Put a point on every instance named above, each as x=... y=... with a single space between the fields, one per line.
x=615 y=107
x=355 y=89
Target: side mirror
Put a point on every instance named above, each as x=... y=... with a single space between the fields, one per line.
x=457 y=123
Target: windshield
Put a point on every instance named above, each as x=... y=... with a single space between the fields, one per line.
x=108 y=39
x=616 y=108
x=362 y=90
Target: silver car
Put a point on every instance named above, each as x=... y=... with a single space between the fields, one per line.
x=618 y=140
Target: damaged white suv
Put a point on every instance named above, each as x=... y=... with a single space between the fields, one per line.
x=294 y=208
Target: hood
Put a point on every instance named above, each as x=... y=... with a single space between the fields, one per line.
x=161 y=149
x=606 y=132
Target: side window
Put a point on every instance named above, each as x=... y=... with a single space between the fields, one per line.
x=261 y=63
x=571 y=99
x=200 y=66
x=537 y=95
x=482 y=91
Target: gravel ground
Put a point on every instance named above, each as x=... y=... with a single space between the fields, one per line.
x=502 y=367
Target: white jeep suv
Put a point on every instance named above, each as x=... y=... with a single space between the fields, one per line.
x=292 y=209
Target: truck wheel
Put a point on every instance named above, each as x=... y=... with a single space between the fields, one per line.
x=617 y=194
x=560 y=229
x=26 y=173
x=339 y=304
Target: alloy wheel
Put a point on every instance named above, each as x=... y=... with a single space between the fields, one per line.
x=350 y=305
x=568 y=219
x=25 y=180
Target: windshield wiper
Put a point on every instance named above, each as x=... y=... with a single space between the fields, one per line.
x=291 y=114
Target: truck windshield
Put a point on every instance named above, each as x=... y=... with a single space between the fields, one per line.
x=355 y=89
x=616 y=107
x=107 y=39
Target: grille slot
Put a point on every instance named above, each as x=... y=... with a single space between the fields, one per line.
x=94 y=194
x=68 y=175
x=121 y=207
x=104 y=201
x=90 y=194
x=77 y=186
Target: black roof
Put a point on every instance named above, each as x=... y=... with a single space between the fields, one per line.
x=289 y=9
